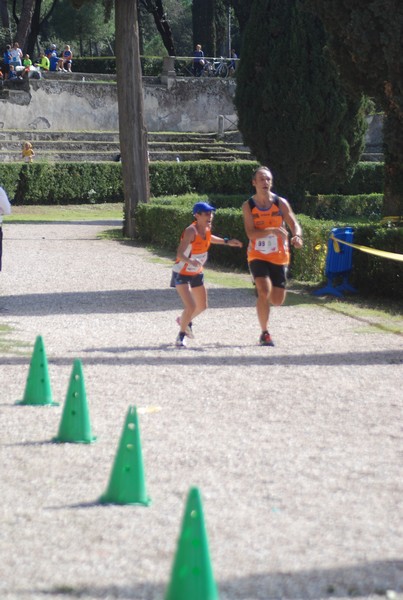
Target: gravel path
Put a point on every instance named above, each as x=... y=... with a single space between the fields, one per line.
x=297 y=449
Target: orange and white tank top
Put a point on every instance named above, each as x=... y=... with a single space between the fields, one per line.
x=197 y=249
x=270 y=248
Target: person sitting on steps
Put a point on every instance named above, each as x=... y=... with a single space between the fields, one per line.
x=43 y=63
x=55 y=62
x=67 y=59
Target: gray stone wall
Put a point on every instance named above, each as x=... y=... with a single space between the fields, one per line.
x=186 y=104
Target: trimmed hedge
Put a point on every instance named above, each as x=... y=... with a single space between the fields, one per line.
x=222 y=177
x=107 y=64
x=336 y=206
x=368 y=178
x=78 y=182
x=375 y=275
x=95 y=64
x=65 y=183
x=332 y=207
x=205 y=177
x=75 y=183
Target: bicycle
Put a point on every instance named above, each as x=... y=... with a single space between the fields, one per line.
x=217 y=68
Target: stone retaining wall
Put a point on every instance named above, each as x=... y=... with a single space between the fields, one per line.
x=186 y=104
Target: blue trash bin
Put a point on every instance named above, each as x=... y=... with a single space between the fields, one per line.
x=338 y=264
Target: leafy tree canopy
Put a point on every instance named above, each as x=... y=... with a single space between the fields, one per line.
x=367 y=42
x=178 y=15
x=80 y=26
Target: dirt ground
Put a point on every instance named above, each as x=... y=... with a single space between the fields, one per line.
x=297 y=450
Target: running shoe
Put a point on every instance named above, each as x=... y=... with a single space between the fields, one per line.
x=180 y=341
x=188 y=330
x=265 y=339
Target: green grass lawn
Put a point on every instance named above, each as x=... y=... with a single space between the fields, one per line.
x=68 y=212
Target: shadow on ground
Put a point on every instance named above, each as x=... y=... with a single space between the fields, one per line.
x=128 y=301
x=371 y=579
x=198 y=356
x=114 y=301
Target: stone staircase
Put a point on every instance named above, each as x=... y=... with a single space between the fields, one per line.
x=72 y=146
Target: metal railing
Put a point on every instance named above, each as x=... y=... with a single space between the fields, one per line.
x=223 y=121
x=213 y=66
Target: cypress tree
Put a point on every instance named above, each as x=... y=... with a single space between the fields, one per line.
x=293 y=112
x=242 y=12
x=366 y=40
x=203 y=25
x=209 y=25
x=221 y=26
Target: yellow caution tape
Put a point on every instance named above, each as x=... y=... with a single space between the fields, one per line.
x=148 y=409
x=385 y=220
x=336 y=246
x=381 y=253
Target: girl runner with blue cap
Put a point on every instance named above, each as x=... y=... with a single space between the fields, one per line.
x=187 y=272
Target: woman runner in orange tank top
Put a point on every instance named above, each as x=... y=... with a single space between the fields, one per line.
x=265 y=218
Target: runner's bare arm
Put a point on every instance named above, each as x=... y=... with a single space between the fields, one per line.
x=226 y=241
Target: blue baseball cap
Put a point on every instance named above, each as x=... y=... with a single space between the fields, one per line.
x=200 y=207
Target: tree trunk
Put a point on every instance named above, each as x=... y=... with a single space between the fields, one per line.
x=132 y=131
x=5 y=18
x=34 y=30
x=156 y=9
x=164 y=28
x=393 y=151
x=38 y=24
x=24 y=23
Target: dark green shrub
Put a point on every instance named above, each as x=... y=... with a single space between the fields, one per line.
x=336 y=206
x=77 y=182
x=228 y=222
x=151 y=66
x=9 y=174
x=308 y=263
x=95 y=64
x=64 y=183
x=162 y=225
x=167 y=178
x=376 y=275
x=368 y=178
x=216 y=200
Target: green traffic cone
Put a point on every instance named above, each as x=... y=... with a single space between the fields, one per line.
x=127 y=483
x=192 y=573
x=37 y=390
x=75 y=426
